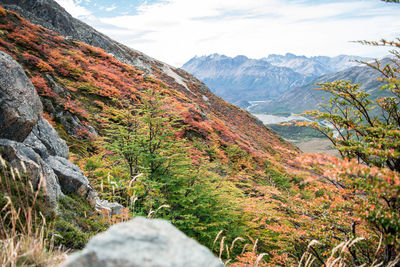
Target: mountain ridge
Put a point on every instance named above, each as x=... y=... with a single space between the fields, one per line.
x=240 y=80
x=306 y=97
x=315 y=66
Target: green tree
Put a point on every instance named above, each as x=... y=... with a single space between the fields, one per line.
x=361 y=127
x=368 y=130
x=194 y=199
x=123 y=136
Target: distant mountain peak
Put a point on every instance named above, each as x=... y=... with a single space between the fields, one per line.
x=240 y=79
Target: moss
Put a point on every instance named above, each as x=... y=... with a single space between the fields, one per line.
x=76 y=222
x=69 y=235
x=77 y=146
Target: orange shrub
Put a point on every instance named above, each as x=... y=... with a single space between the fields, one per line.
x=3 y=12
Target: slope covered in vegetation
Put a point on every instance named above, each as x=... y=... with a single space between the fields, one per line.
x=169 y=148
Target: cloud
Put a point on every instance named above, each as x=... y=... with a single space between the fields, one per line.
x=74 y=8
x=176 y=30
x=111 y=8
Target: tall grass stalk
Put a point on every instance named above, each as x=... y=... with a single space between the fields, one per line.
x=23 y=229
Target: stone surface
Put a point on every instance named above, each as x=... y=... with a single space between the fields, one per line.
x=26 y=160
x=112 y=207
x=71 y=178
x=45 y=140
x=20 y=106
x=143 y=242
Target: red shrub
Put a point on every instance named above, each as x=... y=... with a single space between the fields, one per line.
x=41 y=86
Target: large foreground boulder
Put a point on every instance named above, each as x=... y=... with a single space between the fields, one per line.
x=20 y=106
x=143 y=242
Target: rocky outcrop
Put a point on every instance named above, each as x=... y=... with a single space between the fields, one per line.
x=27 y=161
x=31 y=145
x=45 y=141
x=143 y=242
x=72 y=179
x=20 y=106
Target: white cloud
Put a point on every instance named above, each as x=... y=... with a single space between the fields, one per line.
x=176 y=30
x=111 y=8
x=74 y=8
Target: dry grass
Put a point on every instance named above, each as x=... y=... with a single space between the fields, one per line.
x=23 y=230
x=340 y=256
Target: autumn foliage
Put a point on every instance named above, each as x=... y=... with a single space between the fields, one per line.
x=222 y=176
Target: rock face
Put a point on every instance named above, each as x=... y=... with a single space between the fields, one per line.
x=72 y=179
x=30 y=144
x=28 y=141
x=26 y=160
x=44 y=139
x=20 y=106
x=143 y=242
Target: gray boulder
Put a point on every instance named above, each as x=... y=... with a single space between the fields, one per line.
x=72 y=179
x=143 y=242
x=20 y=106
x=26 y=160
x=46 y=142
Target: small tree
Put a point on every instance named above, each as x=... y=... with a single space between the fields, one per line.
x=171 y=187
x=361 y=127
x=123 y=136
x=368 y=130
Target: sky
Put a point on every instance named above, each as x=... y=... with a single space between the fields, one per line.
x=174 y=31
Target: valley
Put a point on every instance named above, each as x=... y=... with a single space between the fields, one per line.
x=295 y=97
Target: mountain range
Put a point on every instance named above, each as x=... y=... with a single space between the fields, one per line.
x=306 y=97
x=241 y=80
x=314 y=66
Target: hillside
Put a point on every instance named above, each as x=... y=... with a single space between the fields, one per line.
x=307 y=97
x=159 y=142
x=240 y=79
